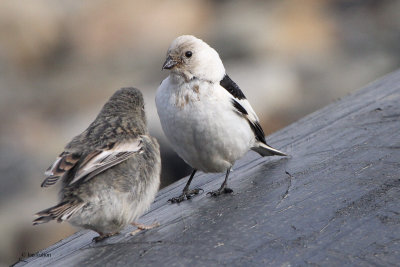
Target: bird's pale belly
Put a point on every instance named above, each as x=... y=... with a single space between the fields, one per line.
x=208 y=139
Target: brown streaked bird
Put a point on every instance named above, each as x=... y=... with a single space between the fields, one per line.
x=110 y=173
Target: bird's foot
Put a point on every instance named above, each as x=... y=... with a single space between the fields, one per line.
x=224 y=190
x=103 y=236
x=141 y=227
x=185 y=194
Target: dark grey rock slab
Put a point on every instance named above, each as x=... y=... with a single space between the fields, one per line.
x=335 y=201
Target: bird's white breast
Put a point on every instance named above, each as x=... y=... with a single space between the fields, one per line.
x=199 y=120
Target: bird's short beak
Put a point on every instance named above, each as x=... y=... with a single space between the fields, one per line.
x=169 y=63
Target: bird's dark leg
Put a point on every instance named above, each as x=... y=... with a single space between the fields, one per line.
x=223 y=189
x=186 y=193
x=103 y=236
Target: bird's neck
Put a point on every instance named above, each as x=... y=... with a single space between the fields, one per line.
x=180 y=76
x=187 y=77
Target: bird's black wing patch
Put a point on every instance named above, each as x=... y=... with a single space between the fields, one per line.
x=258 y=131
x=239 y=107
x=232 y=87
x=254 y=125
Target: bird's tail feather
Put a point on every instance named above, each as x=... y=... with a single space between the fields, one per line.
x=60 y=212
x=266 y=150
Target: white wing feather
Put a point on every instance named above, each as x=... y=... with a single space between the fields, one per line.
x=107 y=158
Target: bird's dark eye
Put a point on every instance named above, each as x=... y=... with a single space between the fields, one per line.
x=188 y=53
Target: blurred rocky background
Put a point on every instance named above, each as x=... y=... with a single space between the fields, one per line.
x=61 y=60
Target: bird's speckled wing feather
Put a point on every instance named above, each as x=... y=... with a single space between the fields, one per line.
x=92 y=163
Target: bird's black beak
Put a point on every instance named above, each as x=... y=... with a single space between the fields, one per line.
x=169 y=63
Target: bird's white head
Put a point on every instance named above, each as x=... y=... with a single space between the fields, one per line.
x=191 y=58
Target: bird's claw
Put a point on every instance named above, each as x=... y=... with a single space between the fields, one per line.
x=177 y=199
x=188 y=195
x=220 y=191
x=141 y=227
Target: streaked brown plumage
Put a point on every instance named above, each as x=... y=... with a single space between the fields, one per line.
x=110 y=173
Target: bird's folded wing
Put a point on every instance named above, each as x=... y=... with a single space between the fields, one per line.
x=243 y=107
x=64 y=162
x=238 y=98
x=92 y=163
x=106 y=159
